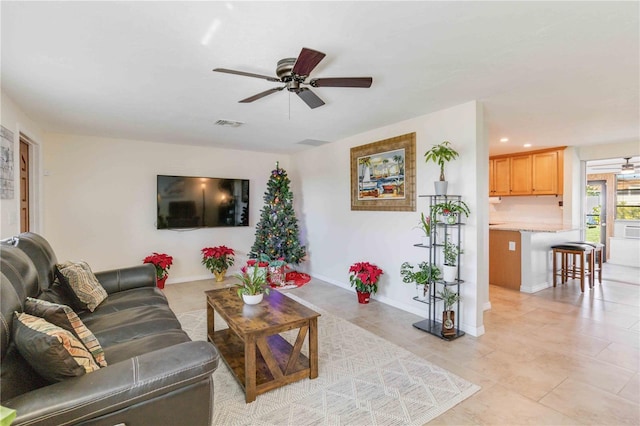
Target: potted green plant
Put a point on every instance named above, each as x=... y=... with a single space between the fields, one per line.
x=450 y=210
x=449 y=298
x=425 y=274
x=252 y=285
x=450 y=266
x=425 y=226
x=441 y=154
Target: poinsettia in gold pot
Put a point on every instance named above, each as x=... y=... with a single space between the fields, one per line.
x=218 y=260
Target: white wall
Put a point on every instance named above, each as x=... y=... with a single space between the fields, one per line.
x=338 y=236
x=100 y=198
x=610 y=150
x=15 y=120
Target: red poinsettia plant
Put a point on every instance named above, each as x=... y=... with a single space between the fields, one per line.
x=364 y=276
x=217 y=259
x=162 y=262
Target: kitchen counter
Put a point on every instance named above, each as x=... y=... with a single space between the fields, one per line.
x=531 y=227
x=520 y=253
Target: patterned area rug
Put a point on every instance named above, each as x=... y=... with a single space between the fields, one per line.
x=364 y=380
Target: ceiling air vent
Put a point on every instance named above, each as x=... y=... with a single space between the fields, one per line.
x=229 y=123
x=312 y=142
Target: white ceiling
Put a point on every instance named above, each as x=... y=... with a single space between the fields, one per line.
x=548 y=73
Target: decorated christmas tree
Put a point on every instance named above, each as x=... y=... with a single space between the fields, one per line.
x=277 y=231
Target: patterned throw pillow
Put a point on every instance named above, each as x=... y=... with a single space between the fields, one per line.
x=53 y=352
x=83 y=283
x=64 y=317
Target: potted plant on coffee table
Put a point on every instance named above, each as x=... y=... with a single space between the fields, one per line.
x=449 y=298
x=441 y=154
x=364 y=276
x=218 y=260
x=425 y=274
x=252 y=286
x=450 y=266
x=162 y=263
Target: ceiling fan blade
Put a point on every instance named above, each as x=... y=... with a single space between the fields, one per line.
x=307 y=61
x=247 y=74
x=261 y=95
x=342 y=82
x=309 y=98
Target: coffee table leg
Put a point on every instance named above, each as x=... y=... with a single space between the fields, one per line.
x=250 y=368
x=313 y=348
x=210 y=323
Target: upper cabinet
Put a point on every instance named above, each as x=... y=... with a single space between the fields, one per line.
x=530 y=173
x=499 y=177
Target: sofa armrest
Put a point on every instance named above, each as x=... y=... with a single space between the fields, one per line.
x=117 y=386
x=122 y=279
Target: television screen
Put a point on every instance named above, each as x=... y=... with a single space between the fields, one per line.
x=202 y=202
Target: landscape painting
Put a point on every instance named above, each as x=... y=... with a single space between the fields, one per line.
x=383 y=175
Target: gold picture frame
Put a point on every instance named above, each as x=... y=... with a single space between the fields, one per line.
x=383 y=175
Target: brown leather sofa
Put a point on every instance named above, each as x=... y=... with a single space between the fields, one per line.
x=155 y=373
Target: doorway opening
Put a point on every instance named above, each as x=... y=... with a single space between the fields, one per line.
x=596 y=214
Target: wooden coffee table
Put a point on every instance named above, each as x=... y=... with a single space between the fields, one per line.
x=275 y=362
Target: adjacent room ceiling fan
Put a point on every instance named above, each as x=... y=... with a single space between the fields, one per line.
x=293 y=72
x=614 y=166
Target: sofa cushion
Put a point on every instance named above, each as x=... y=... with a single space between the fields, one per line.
x=116 y=302
x=83 y=283
x=53 y=352
x=130 y=324
x=124 y=351
x=64 y=317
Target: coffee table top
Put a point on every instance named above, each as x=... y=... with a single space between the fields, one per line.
x=276 y=312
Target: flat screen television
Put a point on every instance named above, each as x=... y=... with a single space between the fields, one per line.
x=201 y=202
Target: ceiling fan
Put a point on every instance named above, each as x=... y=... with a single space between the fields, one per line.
x=293 y=72
x=627 y=167
x=614 y=166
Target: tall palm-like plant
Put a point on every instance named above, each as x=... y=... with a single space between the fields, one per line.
x=441 y=154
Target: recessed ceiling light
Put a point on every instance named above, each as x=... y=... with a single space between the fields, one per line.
x=527 y=145
x=504 y=139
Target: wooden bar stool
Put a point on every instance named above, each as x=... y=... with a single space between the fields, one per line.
x=576 y=261
x=598 y=249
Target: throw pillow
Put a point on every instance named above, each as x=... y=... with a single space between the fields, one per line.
x=53 y=352
x=83 y=283
x=64 y=317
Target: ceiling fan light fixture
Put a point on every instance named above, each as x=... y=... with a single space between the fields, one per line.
x=627 y=169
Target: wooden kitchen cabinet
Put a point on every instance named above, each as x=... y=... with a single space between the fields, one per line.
x=520 y=173
x=547 y=173
x=531 y=173
x=499 y=177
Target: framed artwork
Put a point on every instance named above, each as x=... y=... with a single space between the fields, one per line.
x=6 y=164
x=383 y=175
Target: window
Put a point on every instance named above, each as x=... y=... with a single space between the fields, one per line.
x=628 y=197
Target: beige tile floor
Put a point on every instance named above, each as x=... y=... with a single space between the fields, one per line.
x=555 y=357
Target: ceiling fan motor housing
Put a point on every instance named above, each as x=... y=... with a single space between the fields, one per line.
x=284 y=67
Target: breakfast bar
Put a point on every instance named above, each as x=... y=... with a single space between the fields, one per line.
x=520 y=253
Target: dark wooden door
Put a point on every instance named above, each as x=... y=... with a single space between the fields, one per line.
x=24 y=186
